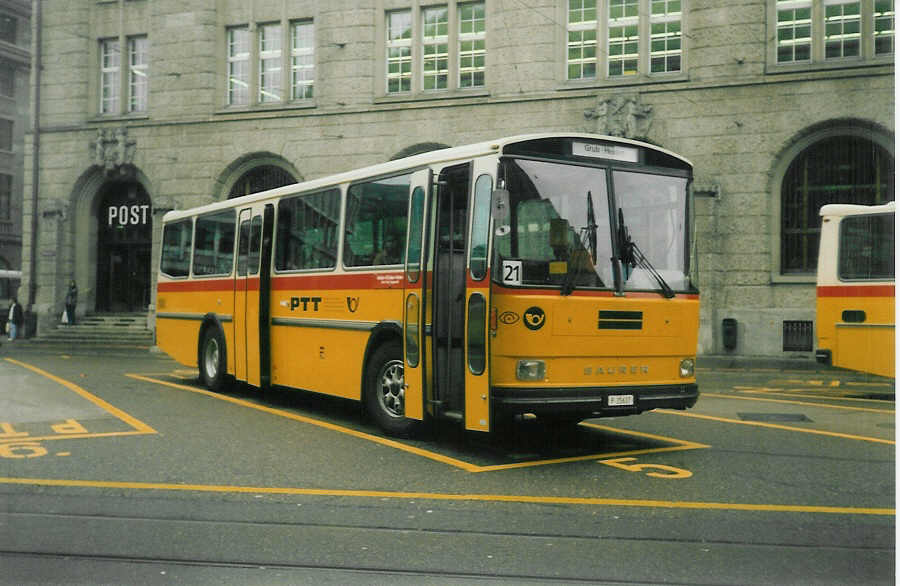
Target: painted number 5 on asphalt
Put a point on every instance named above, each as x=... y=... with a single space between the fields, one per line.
x=658 y=470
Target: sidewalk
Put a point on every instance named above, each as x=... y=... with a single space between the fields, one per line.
x=774 y=363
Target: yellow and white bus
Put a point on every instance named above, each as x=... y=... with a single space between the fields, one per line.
x=544 y=274
x=855 y=288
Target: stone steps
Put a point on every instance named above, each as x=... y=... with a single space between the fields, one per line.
x=102 y=329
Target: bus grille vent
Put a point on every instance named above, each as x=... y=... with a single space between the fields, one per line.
x=797 y=336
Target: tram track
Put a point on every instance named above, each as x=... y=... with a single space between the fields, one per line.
x=401 y=552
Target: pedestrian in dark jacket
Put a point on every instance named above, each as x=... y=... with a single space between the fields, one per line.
x=15 y=319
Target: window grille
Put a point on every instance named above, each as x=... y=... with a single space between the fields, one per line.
x=797 y=336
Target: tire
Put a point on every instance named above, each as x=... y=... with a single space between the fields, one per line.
x=385 y=390
x=211 y=359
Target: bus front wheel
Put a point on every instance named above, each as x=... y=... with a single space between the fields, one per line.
x=212 y=359
x=386 y=390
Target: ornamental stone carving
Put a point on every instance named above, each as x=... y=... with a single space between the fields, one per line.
x=622 y=116
x=113 y=150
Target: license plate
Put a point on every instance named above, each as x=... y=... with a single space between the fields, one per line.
x=620 y=400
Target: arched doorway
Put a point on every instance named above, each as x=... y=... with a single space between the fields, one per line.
x=124 y=240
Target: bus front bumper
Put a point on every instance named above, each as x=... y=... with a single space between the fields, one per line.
x=579 y=402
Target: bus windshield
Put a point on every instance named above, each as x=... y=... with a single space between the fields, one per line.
x=559 y=231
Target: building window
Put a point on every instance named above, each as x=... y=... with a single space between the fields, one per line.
x=884 y=27
x=7 y=79
x=841 y=29
x=269 y=63
x=471 y=45
x=794 y=30
x=109 y=76
x=6 y=135
x=823 y=31
x=303 y=65
x=399 y=51
x=238 y=66
x=624 y=38
x=8 y=28
x=665 y=36
x=838 y=169
x=137 y=74
x=111 y=79
x=264 y=50
x=581 y=46
x=435 y=48
x=640 y=37
x=6 y=197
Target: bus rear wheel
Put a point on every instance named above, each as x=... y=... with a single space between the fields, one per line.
x=386 y=390
x=212 y=359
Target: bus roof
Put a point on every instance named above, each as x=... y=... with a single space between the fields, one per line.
x=409 y=163
x=849 y=209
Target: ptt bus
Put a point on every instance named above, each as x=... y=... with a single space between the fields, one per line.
x=541 y=274
x=855 y=288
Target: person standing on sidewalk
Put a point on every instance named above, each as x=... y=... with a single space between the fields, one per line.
x=14 y=319
x=71 y=301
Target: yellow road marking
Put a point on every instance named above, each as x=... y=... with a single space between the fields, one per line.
x=801 y=393
x=455 y=462
x=138 y=425
x=804 y=403
x=505 y=498
x=316 y=422
x=777 y=426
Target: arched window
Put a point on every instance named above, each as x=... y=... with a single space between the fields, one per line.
x=260 y=179
x=836 y=169
x=418 y=149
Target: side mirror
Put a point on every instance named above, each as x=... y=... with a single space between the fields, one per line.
x=500 y=205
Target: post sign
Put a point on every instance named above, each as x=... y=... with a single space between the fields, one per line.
x=124 y=215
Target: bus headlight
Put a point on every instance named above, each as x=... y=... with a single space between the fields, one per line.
x=531 y=370
x=686 y=368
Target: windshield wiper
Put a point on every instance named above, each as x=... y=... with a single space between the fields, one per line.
x=631 y=256
x=588 y=240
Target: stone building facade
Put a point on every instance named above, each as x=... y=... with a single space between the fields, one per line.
x=152 y=105
x=15 y=70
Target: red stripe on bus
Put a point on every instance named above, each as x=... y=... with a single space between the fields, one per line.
x=395 y=280
x=194 y=286
x=207 y=285
x=591 y=293
x=391 y=280
x=855 y=291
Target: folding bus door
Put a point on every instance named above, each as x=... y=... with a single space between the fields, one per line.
x=415 y=286
x=246 y=298
x=478 y=299
x=251 y=315
x=240 y=297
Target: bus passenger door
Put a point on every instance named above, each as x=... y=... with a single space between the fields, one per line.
x=240 y=297
x=252 y=301
x=478 y=299
x=414 y=297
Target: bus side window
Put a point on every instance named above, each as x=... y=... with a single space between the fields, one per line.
x=867 y=247
x=176 y=249
x=481 y=219
x=307 y=231
x=243 y=248
x=214 y=253
x=376 y=222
